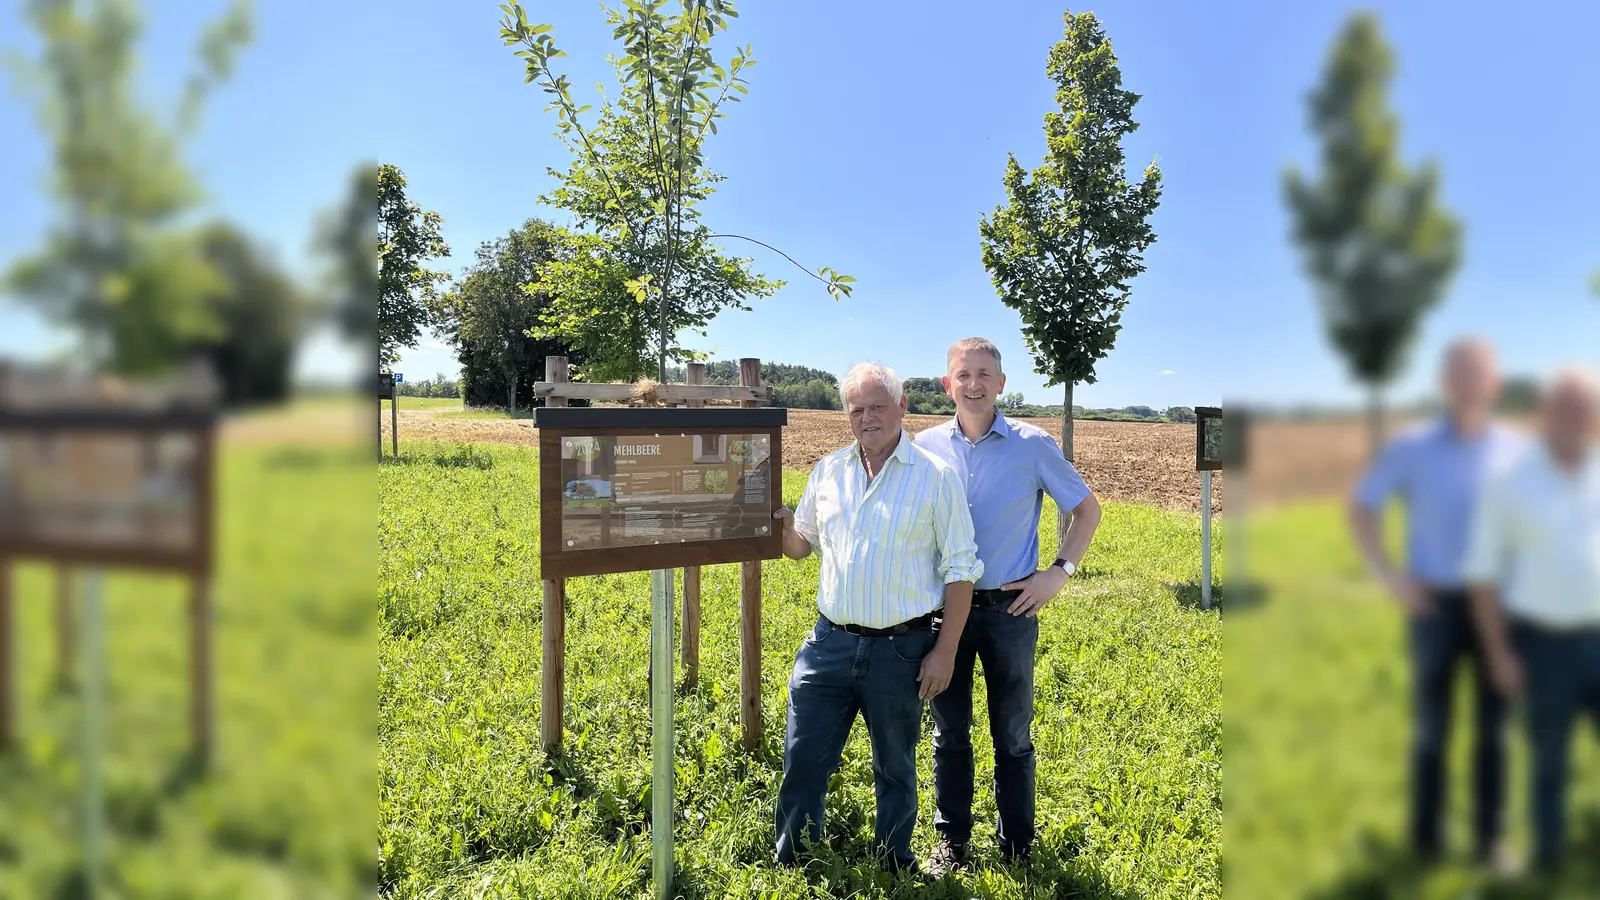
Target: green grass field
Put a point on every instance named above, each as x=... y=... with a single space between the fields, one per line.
x=1128 y=727
x=286 y=810
x=1316 y=737
x=430 y=403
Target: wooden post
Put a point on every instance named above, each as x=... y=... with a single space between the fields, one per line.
x=8 y=661
x=65 y=638
x=394 y=423
x=201 y=674
x=554 y=624
x=750 y=611
x=694 y=373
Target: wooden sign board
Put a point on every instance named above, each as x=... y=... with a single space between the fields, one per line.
x=629 y=490
x=1208 y=442
x=385 y=386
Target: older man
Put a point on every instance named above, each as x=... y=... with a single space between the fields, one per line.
x=1534 y=567
x=1008 y=468
x=1438 y=469
x=891 y=524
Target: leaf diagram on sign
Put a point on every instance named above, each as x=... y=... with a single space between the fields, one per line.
x=715 y=481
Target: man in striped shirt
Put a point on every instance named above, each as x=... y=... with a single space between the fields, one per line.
x=1008 y=468
x=890 y=522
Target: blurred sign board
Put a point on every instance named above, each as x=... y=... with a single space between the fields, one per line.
x=1208 y=439
x=386 y=383
x=627 y=490
x=106 y=473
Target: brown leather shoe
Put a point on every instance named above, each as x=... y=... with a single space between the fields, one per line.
x=945 y=858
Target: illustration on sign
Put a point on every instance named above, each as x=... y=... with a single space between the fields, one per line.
x=633 y=490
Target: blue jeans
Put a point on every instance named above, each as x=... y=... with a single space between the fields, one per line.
x=1006 y=644
x=1440 y=643
x=1562 y=673
x=837 y=675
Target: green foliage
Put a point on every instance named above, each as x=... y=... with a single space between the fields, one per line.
x=1072 y=233
x=637 y=177
x=492 y=310
x=117 y=268
x=1519 y=394
x=347 y=242
x=1012 y=402
x=407 y=291
x=1127 y=732
x=814 y=394
x=922 y=386
x=929 y=404
x=262 y=315
x=726 y=371
x=1377 y=243
x=437 y=387
x=1181 y=414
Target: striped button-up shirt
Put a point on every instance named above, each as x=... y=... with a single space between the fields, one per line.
x=889 y=547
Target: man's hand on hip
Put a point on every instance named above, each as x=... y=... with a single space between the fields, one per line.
x=1411 y=594
x=935 y=672
x=1036 y=591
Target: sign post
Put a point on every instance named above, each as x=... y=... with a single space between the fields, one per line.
x=94 y=682
x=386 y=383
x=1208 y=458
x=661 y=730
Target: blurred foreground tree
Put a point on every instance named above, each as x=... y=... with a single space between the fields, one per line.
x=1072 y=233
x=1378 y=244
x=347 y=242
x=261 y=312
x=118 y=268
x=407 y=291
x=637 y=177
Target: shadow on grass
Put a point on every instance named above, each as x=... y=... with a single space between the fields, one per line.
x=1389 y=872
x=463 y=456
x=1235 y=597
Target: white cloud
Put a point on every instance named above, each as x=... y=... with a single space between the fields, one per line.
x=1168 y=372
x=849 y=318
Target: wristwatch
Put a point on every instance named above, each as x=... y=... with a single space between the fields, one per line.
x=1066 y=566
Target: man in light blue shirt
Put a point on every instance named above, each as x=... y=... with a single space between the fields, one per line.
x=1438 y=469
x=891 y=524
x=1008 y=468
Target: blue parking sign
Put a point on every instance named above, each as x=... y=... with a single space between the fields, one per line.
x=398 y=378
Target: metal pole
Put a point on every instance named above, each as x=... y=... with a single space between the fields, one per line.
x=1205 y=540
x=661 y=737
x=394 y=423
x=93 y=674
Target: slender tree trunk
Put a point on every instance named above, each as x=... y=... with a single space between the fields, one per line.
x=1374 y=421
x=666 y=286
x=511 y=397
x=1066 y=425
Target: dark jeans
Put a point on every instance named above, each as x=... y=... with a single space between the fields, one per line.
x=1006 y=645
x=836 y=675
x=1440 y=642
x=1562 y=677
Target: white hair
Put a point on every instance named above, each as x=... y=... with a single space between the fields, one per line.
x=861 y=373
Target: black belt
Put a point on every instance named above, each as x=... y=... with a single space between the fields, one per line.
x=917 y=624
x=994 y=596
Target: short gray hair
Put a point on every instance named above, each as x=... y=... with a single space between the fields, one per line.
x=973 y=344
x=861 y=373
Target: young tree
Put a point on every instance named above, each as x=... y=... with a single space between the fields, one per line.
x=1376 y=241
x=262 y=313
x=118 y=268
x=347 y=242
x=1071 y=234
x=639 y=171
x=407 y=291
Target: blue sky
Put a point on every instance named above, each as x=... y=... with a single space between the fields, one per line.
x=873 y=139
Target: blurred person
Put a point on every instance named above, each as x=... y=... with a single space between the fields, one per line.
x=890 y=522
x=1008 y=467
x=1438 y=469
x=1534 y=567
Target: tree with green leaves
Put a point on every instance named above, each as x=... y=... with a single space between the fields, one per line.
x=262 y=314
x=408 y=291
x=1377 y=243
x=1072 y=233
x=118 y=268
x=347 y=243
x=638 y=176
x=498 y=302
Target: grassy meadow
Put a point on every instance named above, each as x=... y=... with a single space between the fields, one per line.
x=286 y=810
x=1317 y=731
x=1128 y=727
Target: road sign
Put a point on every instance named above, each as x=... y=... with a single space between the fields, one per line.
x=398 y=378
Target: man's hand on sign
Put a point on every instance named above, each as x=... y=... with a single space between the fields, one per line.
x=785 y=515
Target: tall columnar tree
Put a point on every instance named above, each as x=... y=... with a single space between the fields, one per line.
x=1378 y=244
x=408 y=291
x=119 y=268
x=1072 y=233
x=348 y=245
x=638 y=175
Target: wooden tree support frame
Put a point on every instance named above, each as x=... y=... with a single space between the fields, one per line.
x=557 y=390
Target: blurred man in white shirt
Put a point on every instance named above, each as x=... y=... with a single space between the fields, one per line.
x=1534 y=567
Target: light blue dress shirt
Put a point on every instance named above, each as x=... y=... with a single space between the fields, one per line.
x=1440 y=476
x=1007 y=472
